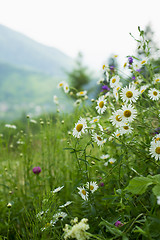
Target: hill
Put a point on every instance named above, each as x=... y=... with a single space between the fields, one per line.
x=18 y=49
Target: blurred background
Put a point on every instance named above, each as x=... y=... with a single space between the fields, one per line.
x=44 y=42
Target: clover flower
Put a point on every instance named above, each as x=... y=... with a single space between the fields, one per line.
x=36 y=170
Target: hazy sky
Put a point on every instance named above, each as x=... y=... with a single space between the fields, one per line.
x=98 y=28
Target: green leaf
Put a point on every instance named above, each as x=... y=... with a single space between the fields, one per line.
x=138 y=185
x=156 y=190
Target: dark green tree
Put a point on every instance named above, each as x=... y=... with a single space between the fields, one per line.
x=79 y=76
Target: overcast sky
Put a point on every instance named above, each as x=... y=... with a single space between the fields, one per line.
x=98 y=28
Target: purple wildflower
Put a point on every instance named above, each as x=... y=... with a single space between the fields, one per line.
x=130 y=60
x=36 y=170
x=118 y=224
x=105 y=88
x=101 y=184
x=133 y=77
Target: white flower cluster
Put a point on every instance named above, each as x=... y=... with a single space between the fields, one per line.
x=78 y=230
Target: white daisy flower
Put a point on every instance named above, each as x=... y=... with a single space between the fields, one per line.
x=101 y=80
x=155 y=150
x=155 y=138
x=101 y=108
x=57 y=189
x=92 y=186
x=129 y=94
x=105 y=67
x=83 y=193
x=129 y=113
x=66 y=87
x=156 y=78
x=95 y=119
x=117 y=133
x=138 y=81
x=114 y=81
x=154 y=94
x=111 y=161
x=117 y=118
x=143 y=88
x=98 y=139
x=144 y=61
x=66 y=204
x=105 y=156
x=137 y=66
x=55 y=99
x=81 y=94
x=61 y=84
x=10 y=126
x=126 y=129
x=59 y=215
x=80 y=127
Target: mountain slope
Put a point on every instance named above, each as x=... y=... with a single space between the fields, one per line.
x=17 y=49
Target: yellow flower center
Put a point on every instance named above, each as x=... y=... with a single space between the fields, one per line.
x=99 y=138
x=157 y=80
x=111 y=162
x=157 y=139
x=61 y=84
x=136 y=82
x=125 y=64
x=142 y=90
x=118 y=118
x=126 y=127
x=129 y=94
x=81 y=93
x=155 y=93
x=118 y=135
x=143 y=61
x=157 y=150
x=101 y=104
x=91 y=187
x=83 y=192
x=79 y=127
x=127 y=113
x=118 y=88
x=95 y=120
x=103 y=66
x=113 y=80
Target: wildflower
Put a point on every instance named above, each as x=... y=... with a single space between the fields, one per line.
x=9 y=205
x=117 y=133
x=101 y=80
x=156 y=78
x=92 y=186
x=105 y=88
x=77 y=102
x=118 y=224
x=144 y=61
x=98 y=139
x=81 y=94
x=101 y=108
x=59 y=215
x=129 y=94
x=143 y=88
x=61 y=84
x=66 y=87
x=77 y=231
x=66 y=204
x=95 y=119
x=111 y=161
x=105 y=156
x=137 y=66
x=155 y=150
x=114 y=81
x=80 y=127
x=154 y=94
x=57 y=189
x=117 y=118
x=33 y=121
x=36 y=170
x=129 y=113
x=39 y=215
x=55 y=99
x=130 y=60
x=83 y=193
x=126 y=129
x=10 y=126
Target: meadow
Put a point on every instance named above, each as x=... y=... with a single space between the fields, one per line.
x=90 y=174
